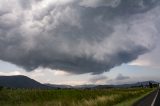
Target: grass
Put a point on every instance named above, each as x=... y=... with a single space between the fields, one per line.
x=130 y=102
x=99 y=97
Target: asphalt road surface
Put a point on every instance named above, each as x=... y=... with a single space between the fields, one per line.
x=157 y=101
x=153 y=99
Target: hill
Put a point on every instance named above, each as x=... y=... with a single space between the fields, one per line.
x=20 y=81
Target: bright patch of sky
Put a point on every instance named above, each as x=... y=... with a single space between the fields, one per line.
x=133 y=74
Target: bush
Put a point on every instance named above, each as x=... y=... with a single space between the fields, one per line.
x=1 y=87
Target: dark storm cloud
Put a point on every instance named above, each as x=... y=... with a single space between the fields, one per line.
x=76 y=36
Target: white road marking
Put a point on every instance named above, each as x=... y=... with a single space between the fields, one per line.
x=155 y=98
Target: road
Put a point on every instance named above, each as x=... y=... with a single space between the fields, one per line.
x=153 y=99
x=157 y=101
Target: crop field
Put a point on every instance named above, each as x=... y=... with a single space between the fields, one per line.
x=72 y=97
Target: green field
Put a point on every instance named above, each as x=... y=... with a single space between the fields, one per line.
x=101 y=97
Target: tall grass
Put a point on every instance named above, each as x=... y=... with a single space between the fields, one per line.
x=101 y=97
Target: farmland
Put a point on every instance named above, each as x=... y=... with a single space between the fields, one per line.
x=71 y=97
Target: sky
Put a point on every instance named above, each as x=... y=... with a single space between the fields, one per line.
x=78 y=42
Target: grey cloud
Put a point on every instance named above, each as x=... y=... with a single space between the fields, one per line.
x=150 y=59
x=25 y=3
x=99 y=3
x=98 y=79
x=122 y=77
x=78 y=39
x=2 y=12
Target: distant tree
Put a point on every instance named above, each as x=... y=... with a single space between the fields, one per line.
x=1 y=87
x=150 y=85
x=141 y=85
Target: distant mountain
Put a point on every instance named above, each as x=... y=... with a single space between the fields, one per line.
x=20 y=81
x=92 y=86
x=73 y=87
x=138 y=84
x=85 y=86
x=144 y=83
x=59 y=86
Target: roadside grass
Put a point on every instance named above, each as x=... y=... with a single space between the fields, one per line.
x=72 y=97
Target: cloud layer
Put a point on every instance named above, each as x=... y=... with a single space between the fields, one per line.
x=98 y=79
x=122 y=77
x=77 y=36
